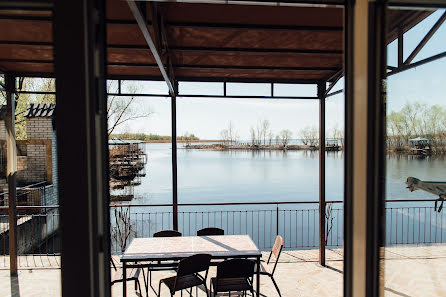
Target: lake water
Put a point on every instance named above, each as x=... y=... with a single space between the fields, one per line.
x=255 y=176
x=206 y=176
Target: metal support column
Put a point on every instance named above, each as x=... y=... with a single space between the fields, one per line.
x=11 y=169
x=174 y=160
x=321 y=95
x=82 y=152
x=400 y=47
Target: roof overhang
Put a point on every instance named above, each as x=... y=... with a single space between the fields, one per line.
x=202 y=41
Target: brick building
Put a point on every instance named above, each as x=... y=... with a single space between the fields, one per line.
x=36 y=156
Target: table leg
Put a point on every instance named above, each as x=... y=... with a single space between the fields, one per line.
x=258 y=278
x=124 y=281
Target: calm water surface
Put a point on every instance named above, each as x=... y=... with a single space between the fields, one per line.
x=206 y=176
x=252 y=176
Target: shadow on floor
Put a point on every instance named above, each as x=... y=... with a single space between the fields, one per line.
x=15 y=288
x=396 y=292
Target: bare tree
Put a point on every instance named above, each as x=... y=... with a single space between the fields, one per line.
x=314 y=136
x=253 y=135
x=122 y=230
x=187 y=138
x=123 y=109
x=265 y=129
x=305 y=134
x=224 y=135
x=259 y=131
x=270 y=137
x=232 y=133
x=285 y=136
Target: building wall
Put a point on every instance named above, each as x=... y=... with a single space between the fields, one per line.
x=2 y=130
x=39 y=128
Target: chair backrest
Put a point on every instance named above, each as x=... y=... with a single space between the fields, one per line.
x=194 y=264
x=276 y=251
x=167 y=233
x=210 y=231
x=235 y=268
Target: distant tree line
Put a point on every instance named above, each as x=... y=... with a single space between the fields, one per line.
x=416 y=120
x=262 y=134
x=153 y=137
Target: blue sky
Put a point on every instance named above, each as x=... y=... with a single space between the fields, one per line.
x=207 y=117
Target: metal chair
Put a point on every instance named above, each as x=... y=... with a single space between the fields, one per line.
x=167 y=233
x=132 y=275
x=188 y=274
x=160 y=266
x=235 y=275
x=276 y=251
x=210 y=231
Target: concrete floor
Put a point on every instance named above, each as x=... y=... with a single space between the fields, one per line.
x=409 y=271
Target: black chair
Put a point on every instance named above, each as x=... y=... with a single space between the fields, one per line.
x=161 y=266
x=210 y=231
x=188 y=274
x=276 y=251
x=167 y=233
x=132 y=275
x=235 y=275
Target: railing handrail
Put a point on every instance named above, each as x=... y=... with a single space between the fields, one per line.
x=222 y=203
x=218 y=204
x=29 y=186
x=31 y=207
x=256 y=203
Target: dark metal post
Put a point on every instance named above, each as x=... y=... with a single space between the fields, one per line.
x=11 y=169
x=400 y=47
x=174 y=161
x=321 y=94
x=81 y=130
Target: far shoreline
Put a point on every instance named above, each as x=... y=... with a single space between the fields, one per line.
x=182 y=141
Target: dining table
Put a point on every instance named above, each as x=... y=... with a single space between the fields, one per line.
x=159 y=249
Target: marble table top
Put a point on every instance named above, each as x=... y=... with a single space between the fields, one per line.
x=173 y=248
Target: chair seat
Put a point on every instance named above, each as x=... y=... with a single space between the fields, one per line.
x=184 y=282
x=117 y=275
x=231 y=284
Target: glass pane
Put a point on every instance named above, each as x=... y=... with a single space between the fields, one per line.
x=248 y=89
x=415 y=227
x=36 y=178
x=295 y=90
x=140 y=167
x=200 y=88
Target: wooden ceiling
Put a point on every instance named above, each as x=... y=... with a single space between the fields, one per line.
x=203 y=41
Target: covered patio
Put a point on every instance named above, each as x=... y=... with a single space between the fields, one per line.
x=179 y=42
x=298 y=274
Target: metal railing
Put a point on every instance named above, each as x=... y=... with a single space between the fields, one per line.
x=296 y=222
x=37 y=232
x=30 y=195
x=262 y=221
